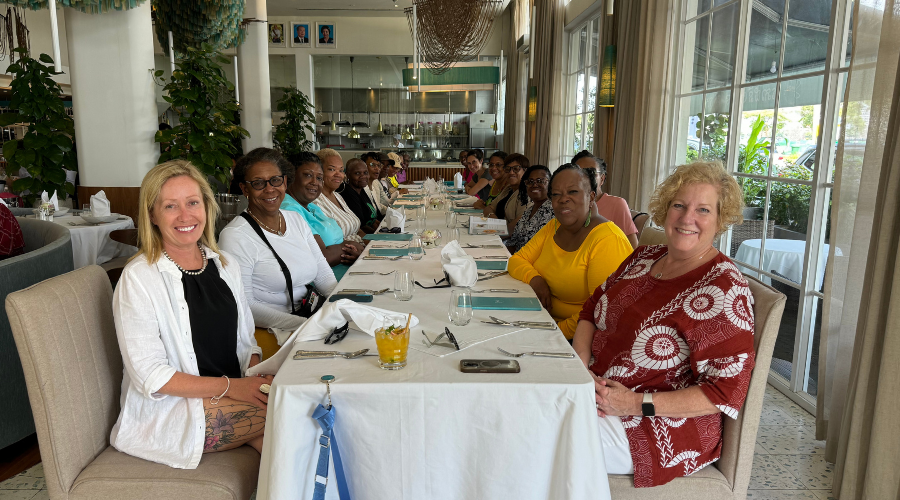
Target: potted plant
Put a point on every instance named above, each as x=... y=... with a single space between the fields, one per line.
x=753 y=158
x=204 y=101
x=296 y=132
x=46 y=149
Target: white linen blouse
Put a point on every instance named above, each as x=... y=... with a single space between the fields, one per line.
x=382 y=197
x=261 y=274
x=345 y=217
x=153 y=327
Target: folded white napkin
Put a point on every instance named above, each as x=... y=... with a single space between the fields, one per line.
x=320 y=325
x=100 y=205
x=3 y=202
x=430 y=186
x=395 y=218
x=467 y=202
x=458 y=265
x=458 y=180
x=50 y=199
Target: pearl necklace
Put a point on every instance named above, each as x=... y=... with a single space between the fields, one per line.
x=190 y=273
x=279 y=231
x=660 y=273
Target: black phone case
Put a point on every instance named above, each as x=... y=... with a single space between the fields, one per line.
x=489 y=366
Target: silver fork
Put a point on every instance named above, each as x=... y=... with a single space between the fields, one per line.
x=364 y=273
x=539 y=354
x=301 y=354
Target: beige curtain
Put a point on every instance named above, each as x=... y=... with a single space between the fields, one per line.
x=512 y=131
x=853 y=308
x=645 y=44
x=543 y=141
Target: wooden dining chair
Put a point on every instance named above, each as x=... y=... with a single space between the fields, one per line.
x=66 y=338
x=729 y=477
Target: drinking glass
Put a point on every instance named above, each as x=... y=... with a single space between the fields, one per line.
x=448 y=218
x=453 y=235
x=460 y=311
x=416 y=248
x=86 y=207
x=420 y=226
x=392 y=341
x=403 y=285
x=420 y=212
x=454 y=219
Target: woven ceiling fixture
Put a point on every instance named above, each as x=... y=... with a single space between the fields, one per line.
x=192 y=23
x=441 y=40
x=88 y=6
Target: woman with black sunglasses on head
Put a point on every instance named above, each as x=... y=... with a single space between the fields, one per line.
x=284 y=273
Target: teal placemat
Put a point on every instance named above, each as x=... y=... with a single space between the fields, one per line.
x=491 y=265
x=507 y=303
x=448 y=183
x=388 y=237
x=388 y=252
x=410 y=206
x=472 y=211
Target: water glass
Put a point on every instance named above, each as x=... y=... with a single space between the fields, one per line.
x=404 y=285
x=453 y=235
x=419 y=226
x=416 y=248
x=454 y=219
x=420 y=212
x=86 y=207
x=460 y=311
x=448 y=218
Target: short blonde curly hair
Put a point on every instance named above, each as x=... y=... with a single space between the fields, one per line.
x=731 y=199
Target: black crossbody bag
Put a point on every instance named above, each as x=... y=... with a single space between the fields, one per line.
x=309 y=304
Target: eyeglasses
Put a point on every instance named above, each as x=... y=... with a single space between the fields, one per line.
x=260 y=184
x=513 y=168
x=536 y=182
x=375 y=164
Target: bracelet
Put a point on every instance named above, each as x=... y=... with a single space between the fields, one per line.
x=215 y=399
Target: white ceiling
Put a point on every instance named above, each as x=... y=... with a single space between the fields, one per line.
x=379 y=8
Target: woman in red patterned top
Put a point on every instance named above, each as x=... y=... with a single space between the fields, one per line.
x=669 y=335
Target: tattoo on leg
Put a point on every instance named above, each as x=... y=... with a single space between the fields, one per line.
x=232 y=425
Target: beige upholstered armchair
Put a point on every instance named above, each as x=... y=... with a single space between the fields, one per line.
x=66 y=338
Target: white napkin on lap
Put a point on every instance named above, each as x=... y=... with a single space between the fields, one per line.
x=395 y=218
x=320 y=325
x=458 y=265
x=457 y=180
x=50 y=199
x=100 y=205
x=467 y=202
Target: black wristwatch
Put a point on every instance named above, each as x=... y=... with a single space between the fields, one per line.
x=648 y=409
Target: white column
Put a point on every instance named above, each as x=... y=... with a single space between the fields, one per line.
x=113 y=95
x=253 y=74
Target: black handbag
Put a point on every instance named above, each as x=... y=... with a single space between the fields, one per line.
x=313 y=300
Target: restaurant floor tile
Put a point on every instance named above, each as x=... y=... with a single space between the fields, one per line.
x=788 y=464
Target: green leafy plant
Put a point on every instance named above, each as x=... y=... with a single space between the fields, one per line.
x=207 y=111
x=297 y=131
x=46 y=151
x=753 y=158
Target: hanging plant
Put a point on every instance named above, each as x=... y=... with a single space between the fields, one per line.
x=88 y=6
x=297 y=130
x=204 y=101
x=45 y=151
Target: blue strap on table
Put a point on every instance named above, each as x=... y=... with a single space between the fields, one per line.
x=327 y=440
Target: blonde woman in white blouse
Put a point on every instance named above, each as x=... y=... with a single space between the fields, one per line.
x=331 y=202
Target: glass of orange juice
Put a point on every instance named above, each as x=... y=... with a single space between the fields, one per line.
x=393 y=345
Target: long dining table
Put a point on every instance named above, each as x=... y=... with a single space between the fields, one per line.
x=429 y=431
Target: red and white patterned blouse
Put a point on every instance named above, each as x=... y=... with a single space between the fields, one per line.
x=657 y=335
x=12 y=242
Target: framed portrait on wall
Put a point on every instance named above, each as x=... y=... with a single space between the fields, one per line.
x=276 y=35
x=300 y=35
x=326 y=37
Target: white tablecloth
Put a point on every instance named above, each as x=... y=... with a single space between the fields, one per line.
x=429 y=431
x=91 y=244
x=783 y=256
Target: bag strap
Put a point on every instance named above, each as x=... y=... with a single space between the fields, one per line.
x=284 y=268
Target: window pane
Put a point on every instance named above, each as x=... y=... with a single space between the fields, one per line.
x=812 y=376
x=746 y=238
x=691 y=109
x=579 y=92
x=696 y=35
x=571 y=91
x=716 y=121
x=574 y=41
x=806 y=43
x=799 y=111
x=789 y=209
x=721 y=46
x=756 y=137
x=577 y=146
x=695 y=7
x=569 y=137
x=589 y=131
x=838 y=121
x=849 y=52
x=592 y=89
x=765 y=43
x=595 y=42
x=783 y=355
x=582 y=46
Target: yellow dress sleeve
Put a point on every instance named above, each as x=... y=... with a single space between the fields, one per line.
x=608 y=249
x=521 y=264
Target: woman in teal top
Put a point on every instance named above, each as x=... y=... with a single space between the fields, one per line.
x=302 y=191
